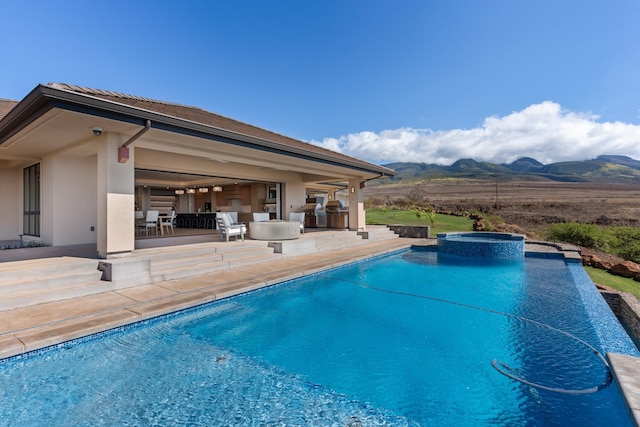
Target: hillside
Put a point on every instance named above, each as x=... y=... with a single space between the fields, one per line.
x=604 y=169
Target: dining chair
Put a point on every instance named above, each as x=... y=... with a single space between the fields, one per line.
x=138 y=220
x=167 y=221
x=151 y=221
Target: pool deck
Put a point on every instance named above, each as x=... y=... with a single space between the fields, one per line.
x=41 y=325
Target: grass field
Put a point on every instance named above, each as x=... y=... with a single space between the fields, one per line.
x=620 y=283
x=443 y=223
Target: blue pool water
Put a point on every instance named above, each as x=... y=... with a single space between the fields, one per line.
x=374 y=343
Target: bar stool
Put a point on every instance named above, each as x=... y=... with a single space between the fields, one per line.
x=202 y=223
x=210 y=223
x=180 y=222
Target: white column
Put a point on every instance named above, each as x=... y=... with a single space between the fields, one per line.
x=116 y=200
x=357 y=219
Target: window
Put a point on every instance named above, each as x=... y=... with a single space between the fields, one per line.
x=31 y=201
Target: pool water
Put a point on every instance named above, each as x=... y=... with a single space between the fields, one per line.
x=374 y=343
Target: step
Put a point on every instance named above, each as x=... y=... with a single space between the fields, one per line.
x=197 y=258
x=186 y=267
x=43 y=295
x=170 y=263
x=49 y=282
x=188 y=271
x=248 y=253
x=20 y=270
x=378 y=233
x=255 y=259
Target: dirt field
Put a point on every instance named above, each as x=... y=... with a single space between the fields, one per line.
x=530 y=205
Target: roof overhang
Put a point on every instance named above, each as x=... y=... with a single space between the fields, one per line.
x=46 y=107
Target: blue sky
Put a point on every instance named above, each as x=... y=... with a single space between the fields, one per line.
x=419 y=80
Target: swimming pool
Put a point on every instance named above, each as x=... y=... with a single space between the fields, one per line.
x=373 y=343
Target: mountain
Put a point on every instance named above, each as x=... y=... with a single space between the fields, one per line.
x=605 y=168
x=526 y=164
x=620 y=160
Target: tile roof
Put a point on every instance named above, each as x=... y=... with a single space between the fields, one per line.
x=201 y=116
x=5 y=106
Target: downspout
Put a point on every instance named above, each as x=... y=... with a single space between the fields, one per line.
x=123 y=151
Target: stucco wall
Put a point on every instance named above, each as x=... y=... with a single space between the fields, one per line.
x=69 y=200
x=293 y=197
x=10 y=209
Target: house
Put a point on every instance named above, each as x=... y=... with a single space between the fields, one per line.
x=76 y=162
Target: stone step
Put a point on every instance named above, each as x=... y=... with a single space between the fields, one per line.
x=202 y=264
x=37 y=280
x=22 y=270
x=343 y=242
x=378 y=233
x=161 y=264
x=188 y=270
x=41 y=295
x=254 y=259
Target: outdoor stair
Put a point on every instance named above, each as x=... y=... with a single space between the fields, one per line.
x=30 y=282
x=378 y=232
x=189 y=260
x=317 y=241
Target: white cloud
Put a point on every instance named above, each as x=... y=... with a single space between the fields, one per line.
x=543 y=131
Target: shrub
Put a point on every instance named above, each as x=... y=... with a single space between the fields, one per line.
x=587 y=235
x=27 y=244
x=626 y=243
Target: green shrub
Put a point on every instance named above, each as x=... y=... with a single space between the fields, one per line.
x=621 y=241
x=626 y=242
x=586 y=235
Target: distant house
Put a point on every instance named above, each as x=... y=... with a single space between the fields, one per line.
x=75 y=163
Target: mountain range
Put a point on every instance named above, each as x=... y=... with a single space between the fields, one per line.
x=605 y=169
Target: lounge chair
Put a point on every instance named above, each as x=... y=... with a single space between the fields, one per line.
x=229 y=229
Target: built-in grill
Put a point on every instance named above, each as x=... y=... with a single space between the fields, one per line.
x=337 y=214
x=310 y=219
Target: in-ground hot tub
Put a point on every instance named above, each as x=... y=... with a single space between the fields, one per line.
x=482 y=244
